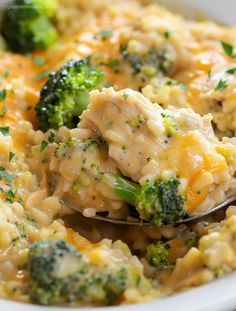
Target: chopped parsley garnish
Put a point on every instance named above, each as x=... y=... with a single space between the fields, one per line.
x=3 y=94
x=11 y=156
x=43 y=145
x=9 y=177
x=71 y=142
x=228 y=48
x=209 y=74
x=5 y=175
x=36 y=59
x=10 y=194
x=167 y=34
x=231 y=71
x=106 y=33
x=51 y=137
x=6 y=73
x=103 y=33
x=39 y=61
x=221 y=85
x=125 y=95
x=114 y=64
x=182 y=86
x=20 y=201
x=170 y=83
x=5 y=131
x=41 y=75
x=3 y=112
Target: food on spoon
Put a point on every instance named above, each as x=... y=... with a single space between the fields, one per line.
x=145 y=146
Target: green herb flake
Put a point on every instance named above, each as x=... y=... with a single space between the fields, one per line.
x=106 y=33
x=219 y=272
x=183 y=87
x=209 y=74
x=228 y=48
x=167 y=34
x=221 y=85
x=231 y=71
x=11 y=194
x=125 y=95
x=3 y=94
x=43 y=145
x=3 y=112
x=11 y=156
x=5 y=131
x=2 y=172
x=114 y=64
x=51 y=137
x=9 y=177
x=71 y=142
x=170 y=83
x=5 y=175
x=6 y=73
x=20 y=201
x=43 y=74
x=39 y=61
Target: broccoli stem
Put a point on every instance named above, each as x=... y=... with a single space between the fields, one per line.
x=127 y=190
x=158 y=203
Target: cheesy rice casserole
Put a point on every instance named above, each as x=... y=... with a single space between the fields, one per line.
x=123 y=109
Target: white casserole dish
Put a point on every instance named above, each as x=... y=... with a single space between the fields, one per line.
x=219 y=295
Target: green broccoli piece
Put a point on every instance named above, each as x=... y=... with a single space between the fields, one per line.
x=104 y=288
x=157 y=254
x=27 y=25
x=158 y=203
x=55 y=269
x=154 y=62
x=170 y=124
x=66 y=94
x=59 y=274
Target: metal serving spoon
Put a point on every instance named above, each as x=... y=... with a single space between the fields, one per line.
x=137 y=222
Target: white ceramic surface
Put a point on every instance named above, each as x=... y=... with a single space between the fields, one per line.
x=216 y=296
x=222 y=11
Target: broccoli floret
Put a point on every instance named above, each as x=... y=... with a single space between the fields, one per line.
x=170 y=124
x=152 y=63
x=55 y=268
x=104 y=288
x=158 y=203
x=66 y=94
x=60 y=274
x=27 y=25
x=157 y=254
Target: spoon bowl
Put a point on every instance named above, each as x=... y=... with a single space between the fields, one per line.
x=136 y=222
